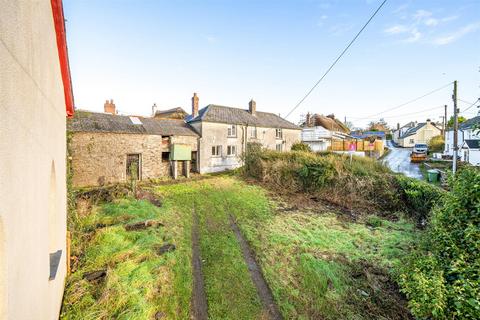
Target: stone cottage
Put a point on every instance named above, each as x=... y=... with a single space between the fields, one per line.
x=226 y=131
x=109 y=148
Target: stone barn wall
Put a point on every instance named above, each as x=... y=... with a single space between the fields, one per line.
x=100 y=158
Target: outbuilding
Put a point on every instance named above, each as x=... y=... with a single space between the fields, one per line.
x=109 y=148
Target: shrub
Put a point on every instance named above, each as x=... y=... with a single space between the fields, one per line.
x=300 y=146
x=436 y=144
x=419 y=197
x=441 y=278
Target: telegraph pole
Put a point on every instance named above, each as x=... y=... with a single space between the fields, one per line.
x=455 y=128
x=445 y=124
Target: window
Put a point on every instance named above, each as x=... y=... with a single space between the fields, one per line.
x=412 y=141
x=278 y=133
x=279 y=147
x=231 y=150
x=253 y=132
x=232 y=131
x=216 y=151
x=165 y=156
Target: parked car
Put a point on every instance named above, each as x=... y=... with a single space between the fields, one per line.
x=420 y=148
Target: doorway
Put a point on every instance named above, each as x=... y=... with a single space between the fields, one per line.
x=133 y=167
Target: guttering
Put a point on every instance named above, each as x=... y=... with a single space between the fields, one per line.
x=59 y=22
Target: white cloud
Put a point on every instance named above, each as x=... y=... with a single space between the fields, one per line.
x=454 y=36
x=415 y=36
x=210 y=38
x=422 y=14
x=422 y=25
x=431 y=22
x=397 y=29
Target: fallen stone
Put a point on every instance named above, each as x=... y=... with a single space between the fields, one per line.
x=363 y=293
x=159 y=315
x=166 y=248
x=143 y=225
x=95 y=275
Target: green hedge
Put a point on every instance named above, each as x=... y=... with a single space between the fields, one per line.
x=419 y=197
x=442 y=277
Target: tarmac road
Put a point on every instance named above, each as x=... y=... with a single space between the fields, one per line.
x=399 y=161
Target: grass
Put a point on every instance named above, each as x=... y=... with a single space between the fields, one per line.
x=317 y=265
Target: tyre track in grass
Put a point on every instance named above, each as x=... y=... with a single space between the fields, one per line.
x=256 y=274
x=199 y=298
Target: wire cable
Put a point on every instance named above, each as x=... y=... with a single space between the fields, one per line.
x=336 y=60
x=471 y=104
x=405 y=103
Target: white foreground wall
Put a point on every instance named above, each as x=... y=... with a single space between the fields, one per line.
x=32 y=162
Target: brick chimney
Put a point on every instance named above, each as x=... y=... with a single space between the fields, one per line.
x=109 y=107
x=252 y=107
x=195 y=105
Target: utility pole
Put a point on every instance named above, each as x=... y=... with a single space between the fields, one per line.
x=445 y=124
x=455 y=128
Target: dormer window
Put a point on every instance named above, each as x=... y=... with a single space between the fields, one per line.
x=232 y=131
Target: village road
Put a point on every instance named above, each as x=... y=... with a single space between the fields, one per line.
x=399 y=161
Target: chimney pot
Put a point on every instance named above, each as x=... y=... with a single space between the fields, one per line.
x=109 y=107
x=308 y=120
x=195 y=105
x=252 y=107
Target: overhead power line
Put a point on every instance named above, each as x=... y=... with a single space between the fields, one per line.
x=400 y=115
x=405 y=103
x=470 y=103
x=336 y=60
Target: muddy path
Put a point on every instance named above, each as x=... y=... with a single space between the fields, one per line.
x=261 y=285
x=199 y=298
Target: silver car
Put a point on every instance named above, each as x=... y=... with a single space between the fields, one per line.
x=420 y=148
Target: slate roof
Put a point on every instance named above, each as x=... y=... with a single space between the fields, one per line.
x=223 y=114
x=469 y=123
x=86 y=121
x=473 y=144
x=413 y=130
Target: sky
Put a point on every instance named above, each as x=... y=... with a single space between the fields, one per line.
x=143 y=52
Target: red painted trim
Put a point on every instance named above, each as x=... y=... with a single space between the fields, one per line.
x=59 y=21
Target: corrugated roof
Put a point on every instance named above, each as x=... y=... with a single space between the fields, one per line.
x=223 y=114
x=86 y=121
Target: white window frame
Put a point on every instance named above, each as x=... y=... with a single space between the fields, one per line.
x=216 y=151
x=279 y=147
x=253 y=132
x=278 y=133
x=232 y=130
x=231 y=150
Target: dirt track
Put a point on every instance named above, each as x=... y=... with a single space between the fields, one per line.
x=261 y=285
x=199 y=299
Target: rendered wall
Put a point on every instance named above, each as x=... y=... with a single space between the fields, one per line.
x=32 y=162
x=214 y=134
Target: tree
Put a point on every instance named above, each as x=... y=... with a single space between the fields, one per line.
x=436 y=144
x=450 y=122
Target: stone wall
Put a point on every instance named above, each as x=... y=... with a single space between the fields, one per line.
x=100 y=158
